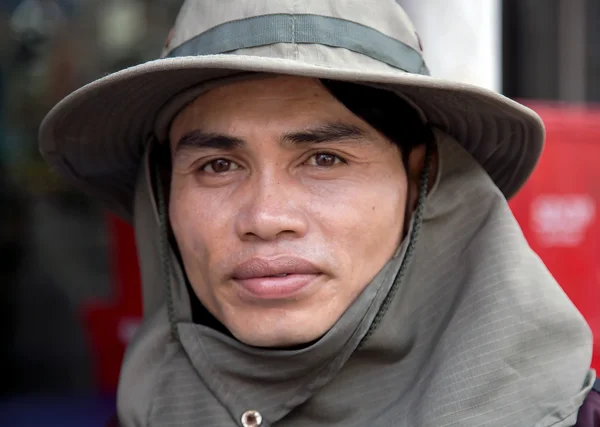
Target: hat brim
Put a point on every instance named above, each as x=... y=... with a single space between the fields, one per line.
x=96 y=136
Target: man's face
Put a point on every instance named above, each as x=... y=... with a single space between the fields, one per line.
x=284 y=205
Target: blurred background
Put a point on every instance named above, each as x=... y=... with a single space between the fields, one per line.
x=69 y=294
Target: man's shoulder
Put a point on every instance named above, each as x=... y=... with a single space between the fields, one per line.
x=589 y=413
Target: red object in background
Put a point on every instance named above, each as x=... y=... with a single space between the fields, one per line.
x=559 y=207
x=110 y=324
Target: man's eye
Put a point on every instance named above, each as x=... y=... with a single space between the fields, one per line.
x=324 y=160
x=219 y=166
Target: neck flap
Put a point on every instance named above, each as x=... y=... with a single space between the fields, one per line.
x=474 y=332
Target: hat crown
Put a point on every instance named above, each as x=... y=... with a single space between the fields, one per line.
x=377 y=31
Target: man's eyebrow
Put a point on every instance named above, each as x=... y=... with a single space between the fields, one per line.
x=329 y=132
x=198 y=139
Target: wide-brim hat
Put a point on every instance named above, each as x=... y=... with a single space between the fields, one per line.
x=96 y=136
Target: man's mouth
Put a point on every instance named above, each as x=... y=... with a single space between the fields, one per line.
x=275 y=278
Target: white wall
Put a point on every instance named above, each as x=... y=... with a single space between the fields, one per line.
x=461 y=38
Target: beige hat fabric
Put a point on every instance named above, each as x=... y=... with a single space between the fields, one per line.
x=96 y=136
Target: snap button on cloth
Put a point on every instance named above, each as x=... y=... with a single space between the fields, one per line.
x=251 y=419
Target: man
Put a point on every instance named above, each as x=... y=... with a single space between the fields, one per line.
x=322 y=228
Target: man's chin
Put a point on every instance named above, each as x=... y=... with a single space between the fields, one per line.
x=282 y=339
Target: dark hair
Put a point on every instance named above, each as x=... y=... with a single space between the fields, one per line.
x=382 y=109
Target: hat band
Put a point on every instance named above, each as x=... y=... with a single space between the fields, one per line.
x=309 y=29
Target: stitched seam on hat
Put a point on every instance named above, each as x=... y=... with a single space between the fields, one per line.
x=295 y=47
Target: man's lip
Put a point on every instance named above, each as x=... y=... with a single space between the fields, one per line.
x=269 y=267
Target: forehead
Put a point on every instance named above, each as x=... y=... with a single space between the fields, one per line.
x=265 y=88
x=271 y=101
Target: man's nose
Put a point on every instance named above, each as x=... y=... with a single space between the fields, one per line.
x=272 y=210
